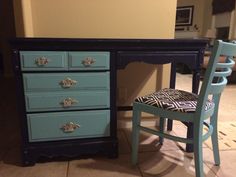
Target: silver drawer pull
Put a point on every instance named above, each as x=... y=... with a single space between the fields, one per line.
x=70 y=127
x=88 y=61
x=41 y=61
x=67 y=83
x=68 y=102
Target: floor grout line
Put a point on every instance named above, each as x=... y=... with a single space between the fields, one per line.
x=130 y=146
x=140 y=171
x=67 y=169
x=210 y=167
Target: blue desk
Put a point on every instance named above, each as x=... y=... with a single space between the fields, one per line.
x=122 y=52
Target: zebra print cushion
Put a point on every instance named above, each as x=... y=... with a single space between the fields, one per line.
x=174 y=100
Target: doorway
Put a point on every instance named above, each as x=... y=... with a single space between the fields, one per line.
x=7 y=31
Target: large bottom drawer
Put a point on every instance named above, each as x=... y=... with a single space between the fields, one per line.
x=68 y=125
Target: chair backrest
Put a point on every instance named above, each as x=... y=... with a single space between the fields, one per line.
x=215 y=78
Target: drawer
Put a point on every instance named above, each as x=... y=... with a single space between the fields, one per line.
x=89 y=60
x=51 y=101
x=66 y=81
x=43 y=60
x=68 y=125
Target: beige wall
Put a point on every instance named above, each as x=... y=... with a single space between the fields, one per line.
x=107 y=19
x=23 y=18
x=202 y=13
x=99 y=18
x=207 y=18
x=197 y=14
x=18 y=15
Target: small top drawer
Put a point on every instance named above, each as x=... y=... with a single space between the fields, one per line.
x=43 y=60
x=89 y=60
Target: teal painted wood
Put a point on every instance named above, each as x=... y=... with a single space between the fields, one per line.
x=135 y=134
x=211 y=86
x=162 y=128
x=52 y=101
x=48 y=126
x=80 y=60
x=43 y=60
x=214 y=137
x=45 y=82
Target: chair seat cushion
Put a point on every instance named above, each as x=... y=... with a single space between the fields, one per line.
x=173 y=100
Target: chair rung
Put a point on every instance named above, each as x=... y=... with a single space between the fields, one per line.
x=228 y=50
x=225 y=73
x=164 y=135
x=229 y=63
x=210 y=130
x=218 y=87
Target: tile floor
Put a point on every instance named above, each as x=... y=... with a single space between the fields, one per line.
x=154 y=160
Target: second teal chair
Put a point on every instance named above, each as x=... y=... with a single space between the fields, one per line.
x=188 y=107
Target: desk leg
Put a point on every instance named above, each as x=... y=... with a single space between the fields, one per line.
x=169 y=125
x=195 y=81
x=189 y=147
x=172 y=85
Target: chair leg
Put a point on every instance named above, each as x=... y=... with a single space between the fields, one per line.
x=214 y=136
x=198 y=157
x=135 y=134
x=162 y=128
x=215 y=145
x=189 y=147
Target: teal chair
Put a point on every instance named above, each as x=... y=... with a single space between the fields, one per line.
x=188 y=107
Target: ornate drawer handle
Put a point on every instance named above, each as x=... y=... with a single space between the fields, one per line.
x=70 y=127
x=68 y=102
x=41 y=61
x=88 y=61
x=67 y=83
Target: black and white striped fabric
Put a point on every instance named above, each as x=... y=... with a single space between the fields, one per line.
x=174 y=100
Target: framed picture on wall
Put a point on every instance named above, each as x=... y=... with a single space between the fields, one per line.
x=184 y=16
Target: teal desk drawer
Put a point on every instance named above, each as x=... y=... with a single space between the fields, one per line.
x=43 y=60
x=51 y=101
x=68 y=125
x=89 y=60
x=66 y=81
